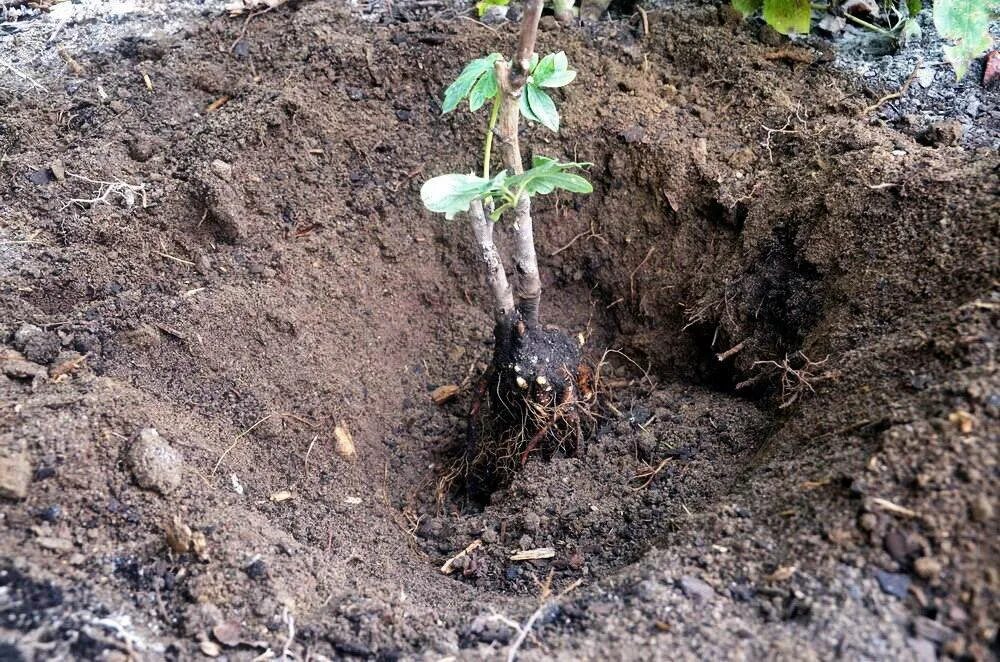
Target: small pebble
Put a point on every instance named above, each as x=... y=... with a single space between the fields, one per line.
x=893 y=583
x=15 y=475
x=256 y=570
x=981 y=508
x=927 y=567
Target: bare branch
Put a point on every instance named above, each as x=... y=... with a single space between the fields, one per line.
x=528 y=286
x=482 y=228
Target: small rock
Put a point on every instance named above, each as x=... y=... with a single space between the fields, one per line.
x=256 y=570
x=155 y=465
x=403 y=115
x=210 y=648
x=222 y=169
x=832 y=24
x=932 y=630
x=893 y=583
x=494 y=15
x=868 y=522
x=55 y=544
x=58 y=170
x=15 y=475
x=895 y=544
x=548 y=24
x=695 y=589
x=23 y=334
x=52 y=514
x=227 y=633
x=927 y=567
x=634 y=134
x=923 y=650
x=42 y=347
x=981 y=508
x=925 y=77
x=355 y=93
x=39 y=177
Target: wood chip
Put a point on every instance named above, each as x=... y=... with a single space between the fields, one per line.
x=782 y=574
x=283 y=495
x=533 y=554
x=443 y=394
x=963 y=420
x=890 y=507
x=344 y=443
x=449 y=565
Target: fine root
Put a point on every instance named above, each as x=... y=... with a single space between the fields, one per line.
x=795 y=382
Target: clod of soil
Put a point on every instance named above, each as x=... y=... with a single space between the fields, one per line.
x=154 y=464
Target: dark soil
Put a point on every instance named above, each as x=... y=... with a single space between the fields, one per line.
x=799 y=454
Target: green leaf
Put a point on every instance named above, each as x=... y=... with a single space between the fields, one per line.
x=547 y=175
x=787 y=16
x=542 y=106
x=747 y=7
x=484 y=90
x=450 y=194
x=484 y=5
x=526 y=110
x=964 y=22
x=553 y=71
x=559 y=78
x=914 y=7
x=466 y=80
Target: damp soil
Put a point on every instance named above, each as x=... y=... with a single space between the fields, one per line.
x=794 y=310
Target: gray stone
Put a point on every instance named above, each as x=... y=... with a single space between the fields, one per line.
x=893 y=583
x=695 y=589
x=155 y=465
x=15 y=475
x=23 y=334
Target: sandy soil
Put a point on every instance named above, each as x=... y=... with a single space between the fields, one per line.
x=234 y=254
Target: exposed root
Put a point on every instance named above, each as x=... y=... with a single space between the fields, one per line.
x=795 y=382
x=537 y=397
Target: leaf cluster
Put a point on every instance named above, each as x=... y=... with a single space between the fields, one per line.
x=453 y=193
x=478 y=83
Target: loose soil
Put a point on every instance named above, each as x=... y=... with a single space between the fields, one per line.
x=794 y=309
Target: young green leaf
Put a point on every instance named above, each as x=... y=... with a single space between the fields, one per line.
x=463 y=85
x=966 y=23
x=546 y=175
x=913 y=7
x=451 y=194
x=484 y=90
x=542 y=106
x=747 y=7
x=553 y=71
x=788 y=16
x=526 y=109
